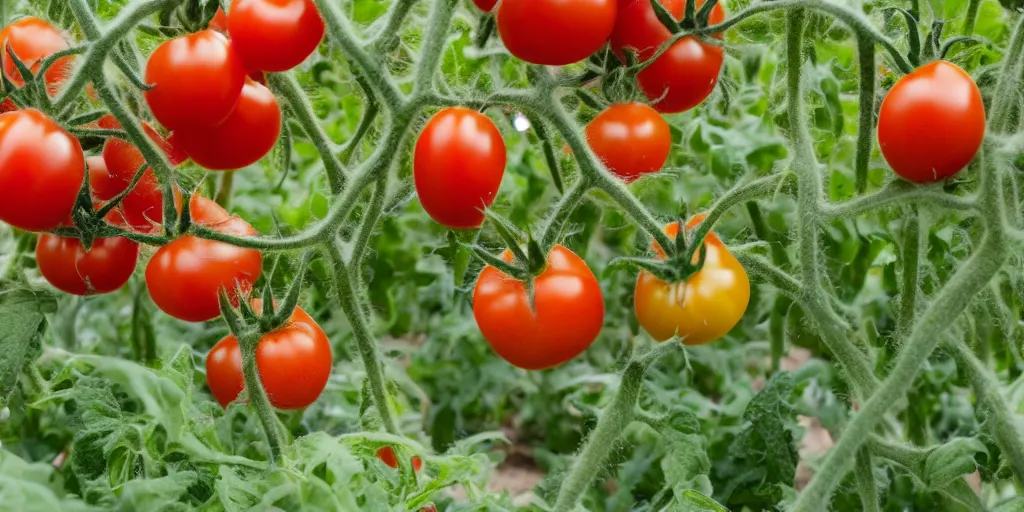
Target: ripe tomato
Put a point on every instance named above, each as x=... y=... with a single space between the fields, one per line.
x=219 y=22
x=41 y=171
x=387 y=454
x=686 y=73
x=274 y=35
x=631 y=139
x=185 y=276
x=104 y=186
x=485 y=5
x=104 y=268
x=565 y=318
x=32 y=40
x=459 y=163
x=294 y=363
x=196 y=80
x=932 y=122
x=249 y=133
x=703 y=308
x=555 y=32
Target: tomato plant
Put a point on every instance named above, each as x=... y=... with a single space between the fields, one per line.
x=631 y=139
x=555 y=33
x=274 y=35
x=554 y=324
x=932 y=123
x=387 y=456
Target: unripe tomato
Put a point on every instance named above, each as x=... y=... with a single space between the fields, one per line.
x=932 y=123
x=683 y=76
x=565 y=318
x=458 y=166
x=555 y=32
x=274 y=35
x=701 y=309
x=41 y=171
x=294 y=363
x=185 y=276
x=196 y=79
x=104 y=268
x=249 y=133
x=631 y=139
x=32 y=40
x=387 y=455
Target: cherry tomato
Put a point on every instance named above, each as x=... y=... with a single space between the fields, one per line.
x=275 y=35
x=932 y=123
x=555 y=32
x=701 y=309
x=104 y=186
x=631 y=139
x=104 y=268
x=294 y=363
x=459 y=163
x=249 y=133
x=485 y=5
x=683 y=76
x=41 y=171
x=219 y=22
x=565 y=318
x=196 y=80
x=32 y=40
x=387 y=454
x=185 y=276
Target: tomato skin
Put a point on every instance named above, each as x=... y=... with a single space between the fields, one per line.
x=703 y=308
x=458 y=165
x=387 y=455
x=249 y=133
x=294 y=363
x=196 y=79
x=567 y=316
x=932 y=123
x=555 y=32
x=219 y=22
x=631 y=139
x=682 y=77
x=104 y=268
x=103 y=185
x=32 y=40
x=185 y=276
x=275 y=35
x=485 y=5
x=41 y=171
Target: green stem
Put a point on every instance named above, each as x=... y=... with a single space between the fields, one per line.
x=612 y=423
x=350 y=304
x=777 y=330
x=913 y=239
x=866 y=125
x=227 y=181
x=896 y=193
x=866 y=487
x=559 y=217
x=433 y=45
x=390 y=35
x=973 y=6
x=288 y=87
x=258 y=399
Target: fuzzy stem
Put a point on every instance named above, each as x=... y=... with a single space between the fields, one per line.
x=866 y=126
x=913 y=239
x=866 y=487
x=558 y=218
x=285 y=85
x=973 y=6
x=433 y=44
x=258 y=399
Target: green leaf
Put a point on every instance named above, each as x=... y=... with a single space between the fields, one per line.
x=950 y=461
x=22 y=324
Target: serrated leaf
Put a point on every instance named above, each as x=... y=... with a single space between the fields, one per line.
x=22 y=325
x=948 y=462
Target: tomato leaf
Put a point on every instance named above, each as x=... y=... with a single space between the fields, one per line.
x=949 y=461
x=22 y=325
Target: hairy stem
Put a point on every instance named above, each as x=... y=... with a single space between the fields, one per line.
x=913 y=239
x=258 y=399
x=289 y=88
x=866 y=125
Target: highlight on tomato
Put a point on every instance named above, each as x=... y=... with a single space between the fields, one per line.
x=294 y=363
x=931 y=123
x=196 y=80
x=686 y=74
x=458 y=165
x=565 y=318
x=555 y=32
x=41 y=171
x=105 y=267
x=246 y=136
x=32 y=40
x=631 y=139
x=701 y=309
x=274 y=35
x=185 y=276
x=387 y=455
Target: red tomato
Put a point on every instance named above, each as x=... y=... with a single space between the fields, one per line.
x=485 y=5
x=459 y=163
x=219 y=22
x=196 y=80
x=294 y=363
x=555 y=32
x=32 y=40
x=565 y=318
x=185 y=276
x=701 y=309
x=143 y=206
x=41 y=171
x=249 y=133
x=104 y=268
x=686 y=73
x=387 y=454
x=104 y=186
x=275 y=35
x=932 y=123
x=631 y=139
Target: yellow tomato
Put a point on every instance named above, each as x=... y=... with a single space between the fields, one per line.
x=701 y=309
